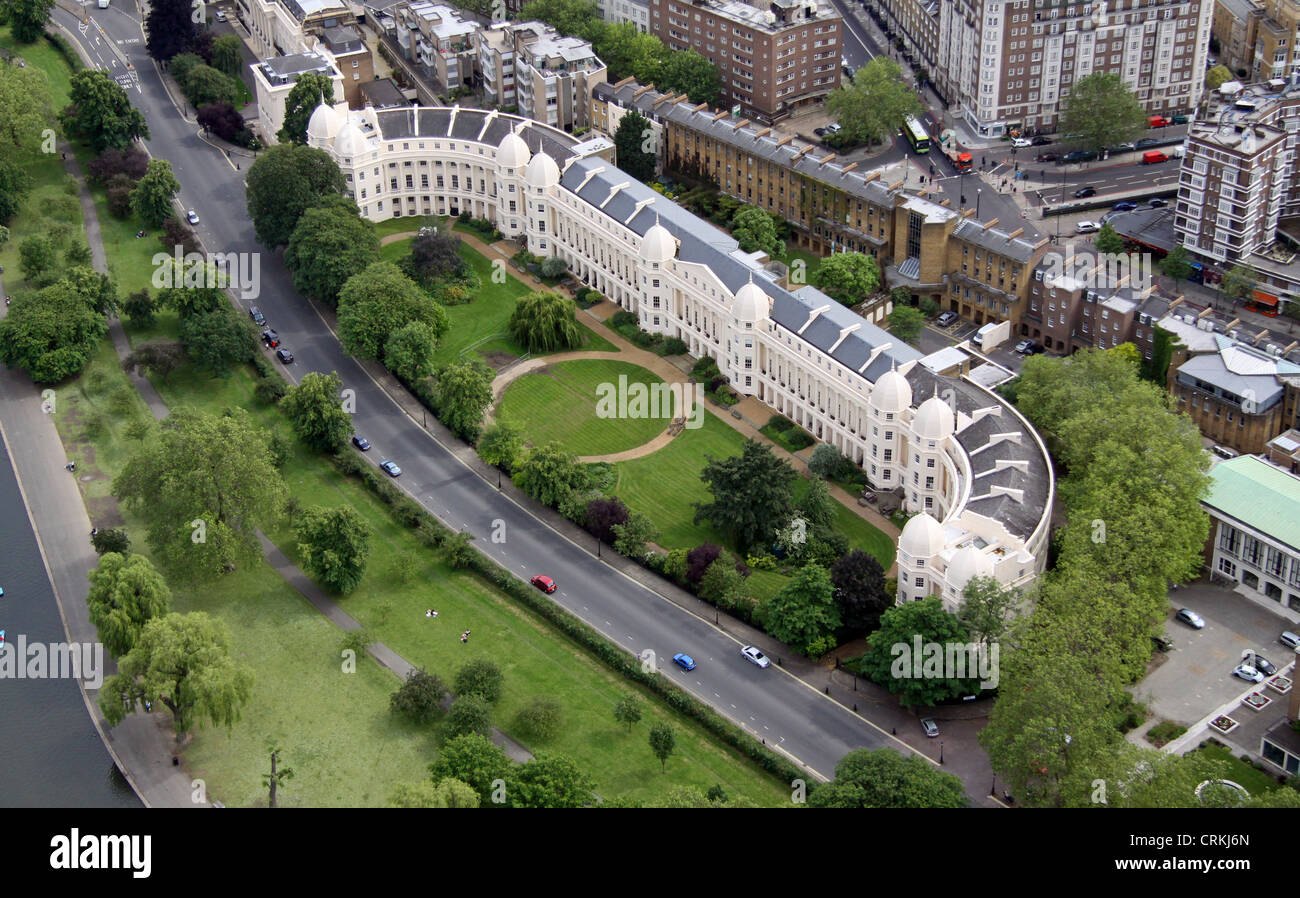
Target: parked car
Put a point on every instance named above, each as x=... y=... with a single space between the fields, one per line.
x=1041 y=141
x=270 y=338
x=1157 y=203
x=1223 y=451
x=256 y=314
x=1023 y=345
x=192 y=217
x=946 y=318
x=1079 y=156
x=1124 y=206
x=1179 y=119
x=1021 y=142
x=544 y=583
x=390 y=468
x=1146 y=142
x=753 y=655
x=360 y=442
x=284 y=355
x=1035 y=348
x=221 y=16
x=1048 y=157
x=1085 y=192
x=1123 y=148
x=1289 y=639
x=1153 y=157
x=1157 y=121
x=1191 y=618
x=834 y=128
x=1163 y=643
x=820 y=132
x=1246 y=672
x=930 y=728
x=686 y=662
x=1261 y=664
x=1087 y=227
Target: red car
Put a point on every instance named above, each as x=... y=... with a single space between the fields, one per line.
x=545 y=584
x=1157 y=121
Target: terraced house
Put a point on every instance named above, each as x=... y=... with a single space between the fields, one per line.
x=962 y=458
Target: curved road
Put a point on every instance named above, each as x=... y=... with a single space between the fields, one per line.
x=787 y=713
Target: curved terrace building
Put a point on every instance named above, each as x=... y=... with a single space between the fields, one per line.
x=970 y=468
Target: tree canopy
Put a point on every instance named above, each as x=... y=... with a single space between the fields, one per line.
x=334 y=544
x=634 y=145
x=379 y=300
x=885 y=779
x=803 y=613
x=315 y=410
x=51 y=334
x=309 y=91
x=330 y=244
x=126 y=592
x=849 y=278
x=283 y=183
x=753 y=494
x=872 y=105
x=544 y=322
x=1103 y=111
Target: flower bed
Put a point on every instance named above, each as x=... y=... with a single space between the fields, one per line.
x=1257 y=700
x=1224 y=724
x=1280 y=684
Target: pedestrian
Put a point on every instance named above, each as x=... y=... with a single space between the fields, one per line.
x=71 y=466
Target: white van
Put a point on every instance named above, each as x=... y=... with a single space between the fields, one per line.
x=102 y=4
x=1178 y=152
x=983 y=332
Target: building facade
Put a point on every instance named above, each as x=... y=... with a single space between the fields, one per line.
x=634 y=12
x=440 y=39
x=544 y=76
x=774 y=59
x=952 y=448
x=275 y=78
x=287 y=27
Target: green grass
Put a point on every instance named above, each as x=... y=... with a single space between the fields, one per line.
x=792 y=439
x=1249 y=777
x=560 y=403
x=811 y=262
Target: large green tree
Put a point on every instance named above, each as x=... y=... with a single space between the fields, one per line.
x=905 y=322
x=688 y=72
x=544 y=322
x=315 y=411
x=169 y=29
x=101 y=113
x=755 y=231
x=860 y=592
x=283 y=183
x=549 y=473
x=986 y=606
x=551 y=781
x=1176 y=264
x=183 y=662
x=419 y=697
x=309 y=91
x=631 y=53
x=500 y=445
x=51 y=334
x=378 y=301
x=152 y=198
x=228 y=55
x=848 y=278
x=464 y=391
x=1239 y=281
x=803 y=613
x=25 y=111
x=27 y=18
x=872 y=106
x=474 y=760
x=334 y=544
x=204 y=484
x=663 y=742
x=1107 y=240
x=126 y=592
x=411 y=352
x=885 y=779
x=217 y=341
x=753 y=494
x=635 y=146
x=892 y=662
x=204 y=85
x=1103 y=111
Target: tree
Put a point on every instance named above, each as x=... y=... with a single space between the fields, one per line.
x=25 y=110
x=700 y=559
x=159 y=359
x=848 y=278
x=14 y=185
x=905 y=322
x=118 y=193
x=552 y=267
x=227 y=55
x=687 y=72
x=480 y=677
x=97 y=290
x=551 y=781
x=721 y=583
x=816 y=508
x=435 y=256
x=549 y=473
x=113 y=539
x=569 y=17
x=153 y=196
x=36 y=255
x=885 y=779
x=631 y=536
x=755 y=231
x=828 y=462
x=803 y=613
x=540 y=718
x=1175 y=265
x=1239 y=281
x=603 y=513
x=411 y=352
x=545 y=322
x=890 y=660
x=460 y=554
x=872 y=105
x=1215 y=77
x=309 y=91
x=205 y=483
x=192 y=300
x=752 y=495
x=628 y=710
x=335 y=544
x=52 y=334
x=985 y=607
x=276 y=778
x=463 y=391
x=634 y=146
x=329 y=245
x=663 y=740
x=860 y=593
x=28 y=18
x=177 y=233
x=182 y=661
x=315 y=411
x=169 y=29
x=447 y=793
x=182 y=64
x=204 y=85
x=419 y=697
x=473 y=760
x=132 y=162
x=224 y=120
x=378 y=301
x=1108 y=241
x=283 y=183
x=1102 y=110
x=629 y=53
x=126 y=592
x=500 y=445
x=217 y=341
x=100 y=112
x=469 y=714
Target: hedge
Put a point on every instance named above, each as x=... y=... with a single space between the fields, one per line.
x=64 y=49
x=613 y=656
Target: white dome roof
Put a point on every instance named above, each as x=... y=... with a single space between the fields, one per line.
x=325 y=123
x=751 y=303
x=934 y=420
x=512 y=152
x=658 y=244
x=891 y=393
x=350 y=142
x=967 y=564
x=922 y=537
x=542 y=172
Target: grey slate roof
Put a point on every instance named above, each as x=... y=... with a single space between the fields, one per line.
x=436 y=121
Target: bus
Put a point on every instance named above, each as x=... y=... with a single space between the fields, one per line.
x=916 y=135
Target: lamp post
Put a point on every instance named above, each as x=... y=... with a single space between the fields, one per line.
x=978 y=191
x=940 y=751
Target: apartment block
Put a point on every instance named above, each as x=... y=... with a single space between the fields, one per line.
x=917 y=22
x=352 y=58
x=274 y=79
x=1235 y=27
x=437 y=37
x=607 y=114
x=1008 y=64
x=635 y=12
x=774 y=58
x=545 y=76
x=288 y=27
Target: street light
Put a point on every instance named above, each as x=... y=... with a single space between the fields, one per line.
x=940 y=751
x=978 y=191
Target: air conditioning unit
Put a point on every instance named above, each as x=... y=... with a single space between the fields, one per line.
x=1189 y=319
x=1205 y=324
x=1275 y=350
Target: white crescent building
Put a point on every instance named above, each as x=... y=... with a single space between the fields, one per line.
x=974 y=472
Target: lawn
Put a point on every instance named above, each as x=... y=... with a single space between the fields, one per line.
x=559 y=403
x=1249 y=777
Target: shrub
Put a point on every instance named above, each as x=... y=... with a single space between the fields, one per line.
x=270 y=390
x=540 y=718
x=479 y=677
x=675 y=346
x=780 y=423
x=699 y=559
x=468 y=714
x=420 y=697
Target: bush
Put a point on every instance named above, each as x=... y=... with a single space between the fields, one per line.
x=468 y=714
x=270 y=390
x=541 y=718
x=675 y=346
x=780 y=423
x=114 y=540
x=479 y=677
x=420 y=697
x=699 y=559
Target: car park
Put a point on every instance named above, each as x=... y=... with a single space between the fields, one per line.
x=1124 y=206
x=1248 y=673
x=1048 y=157
x=360 y=442
x=929 y=727
x=256 y=314
x=754 y=656
x=1085 y=192
x=284 y=355
x=1289 y=639
x=1020 y=142
x=1157 y=203
x=192 y=217
x=1087 y=227
x=270 y=338
x=946 y=318
x=1191 y=618
x=685 y=662
x=392 y=470
x=544 y=583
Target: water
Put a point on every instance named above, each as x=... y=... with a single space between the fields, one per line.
x=50 y=753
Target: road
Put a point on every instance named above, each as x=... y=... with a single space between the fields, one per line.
x=785 y=712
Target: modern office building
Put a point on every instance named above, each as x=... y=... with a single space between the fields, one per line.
x=774 y=57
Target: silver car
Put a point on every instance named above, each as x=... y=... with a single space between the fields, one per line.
x=754 y=656
x=1290 y=640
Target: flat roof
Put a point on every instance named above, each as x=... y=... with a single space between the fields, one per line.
x=1259 y=495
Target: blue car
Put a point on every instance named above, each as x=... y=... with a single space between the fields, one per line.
x=391 y=469
x=685 y=661
x=1124 y=206
x=360 y=442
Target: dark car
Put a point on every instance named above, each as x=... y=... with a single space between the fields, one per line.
x=946 y=319
x=1124 y=206
x=1079 y=156
x=1262 y=664
x=360 y=442
x=1163 y=643
x=1146 y=142
x=1157 y=203
x=256 y=314
x=1179 y=119
x=1191 y=618
x=270 y=338
x=1035 y=348
x=1048 y=157
x=1084 y=192
x=1041 y=141
x=284 y=355
x=820 y=132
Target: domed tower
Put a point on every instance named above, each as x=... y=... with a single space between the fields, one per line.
x=657 y=251
x=968 y=563
x=541 y=178
x=919 y=544
x=932 y=425
x=324 y=126
x=512 y=162
x=749 y=311
x=891 y=397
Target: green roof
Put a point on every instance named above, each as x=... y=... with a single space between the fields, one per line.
x=1258 y=494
